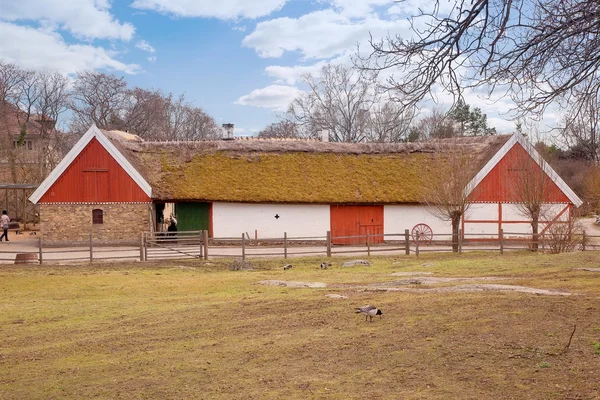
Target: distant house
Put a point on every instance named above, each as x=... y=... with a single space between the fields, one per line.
x=115 y=185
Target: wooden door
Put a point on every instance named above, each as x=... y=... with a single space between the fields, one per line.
x=192 y=216
x=356 y=221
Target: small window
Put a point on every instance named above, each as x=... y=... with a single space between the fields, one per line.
x=97 y=216
x=29 y=145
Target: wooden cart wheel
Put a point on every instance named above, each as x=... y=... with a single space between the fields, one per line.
x=422 y=232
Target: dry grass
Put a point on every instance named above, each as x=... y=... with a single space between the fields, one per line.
x=190 y=330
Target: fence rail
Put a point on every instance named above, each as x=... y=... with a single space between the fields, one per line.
x=197 y=245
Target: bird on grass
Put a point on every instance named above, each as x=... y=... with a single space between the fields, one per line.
x=369 y=311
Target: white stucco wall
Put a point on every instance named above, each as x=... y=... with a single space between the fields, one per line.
x=481 y=212
x=511 y=212
x=397 y=218
x=233 y=219
x=515 y=223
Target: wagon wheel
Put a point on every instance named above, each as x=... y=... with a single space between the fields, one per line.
x=422 y=232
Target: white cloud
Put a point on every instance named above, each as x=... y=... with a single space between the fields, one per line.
x=291 y=75
x=318 y=35
x=358 y=8
x=89 y=19
x=277 y=97
x=42 y=50
x=151 y=59
x=145 y=46
x=222 y=9
x=502 y=125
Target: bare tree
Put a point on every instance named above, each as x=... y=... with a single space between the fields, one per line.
x=145 y=111
x=99 y=99
x=581 y=129
x=198 y=125
x=11 y=77
x=348 y=104
x=52 y=101
x=445 y=185
x=592 y=188
x=278 y=130
x=434 y=125
x=388 y=122
x=106 y=101
x=535 y=51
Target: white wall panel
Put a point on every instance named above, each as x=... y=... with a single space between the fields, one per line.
x=478 y=211
x=233 y=219
x=397 y=218
x=511 y=212
x=481 y=230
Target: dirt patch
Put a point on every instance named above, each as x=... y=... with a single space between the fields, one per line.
x=480 y=287
x=429 y=280
x=294 y=284
x=336 y=296
x=589 y=269
x=410 y=273
x=385 y=287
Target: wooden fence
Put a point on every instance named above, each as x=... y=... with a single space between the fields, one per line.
x=197 y=244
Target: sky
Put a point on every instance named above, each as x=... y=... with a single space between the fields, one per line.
x=239 y=60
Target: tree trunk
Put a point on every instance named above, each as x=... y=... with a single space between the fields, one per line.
x=455 y=228
x=535 y=230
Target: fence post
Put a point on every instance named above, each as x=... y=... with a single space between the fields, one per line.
x=284 y=244
x=459 y=241
x=142 y=247
x=406 y=242
x=368 y=243
x=543 y=240
x=501 y=241
x=243 y=247
x=583 y=241
x=146 y=247
x=91 y=249
x=206 y=244
x=417 y=245
x=328 y=243
x=201 y=244
x=40 y=247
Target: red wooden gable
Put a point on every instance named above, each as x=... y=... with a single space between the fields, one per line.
x=94 y=176
x=502 y=183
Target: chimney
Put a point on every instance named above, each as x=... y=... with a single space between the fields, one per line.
x=325 y=135
x=227 y=131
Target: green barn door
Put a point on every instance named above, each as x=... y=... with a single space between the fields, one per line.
x=192 y=216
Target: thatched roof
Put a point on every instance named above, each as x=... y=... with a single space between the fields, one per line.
x=287 y=171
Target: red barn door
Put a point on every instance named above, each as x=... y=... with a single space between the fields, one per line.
x=356 y=221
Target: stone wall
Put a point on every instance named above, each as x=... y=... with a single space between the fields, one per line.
x=72 y=223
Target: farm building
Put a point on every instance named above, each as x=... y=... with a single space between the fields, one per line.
x=115 y=185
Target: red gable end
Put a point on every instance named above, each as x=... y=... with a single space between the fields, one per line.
x=94 y=176
x=497 y=186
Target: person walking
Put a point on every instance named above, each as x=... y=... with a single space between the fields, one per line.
x=4 y=220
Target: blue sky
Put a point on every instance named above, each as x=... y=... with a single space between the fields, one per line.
x=240 y=60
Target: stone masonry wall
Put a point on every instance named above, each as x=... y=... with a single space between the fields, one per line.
x=72 y=223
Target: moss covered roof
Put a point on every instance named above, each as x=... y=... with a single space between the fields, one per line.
x=294 y=171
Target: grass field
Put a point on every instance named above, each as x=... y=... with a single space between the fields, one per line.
x=199 y=331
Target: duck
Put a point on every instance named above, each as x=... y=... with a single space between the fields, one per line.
x=369 y=311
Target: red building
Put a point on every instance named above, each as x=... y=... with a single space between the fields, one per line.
x=114 y=185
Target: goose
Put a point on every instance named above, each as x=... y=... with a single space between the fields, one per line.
x=369 y=311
